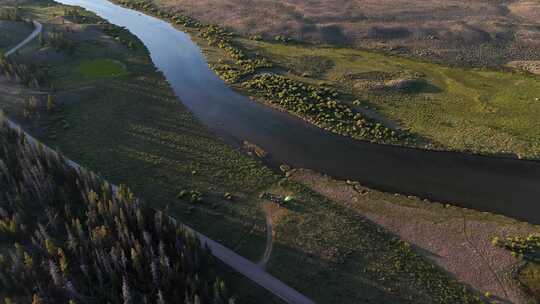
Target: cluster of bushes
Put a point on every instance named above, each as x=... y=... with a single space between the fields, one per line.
x=282 y=39
x=146 y=6
x=217 y=36
x=33 y=104
x=27 y=75
x=10 y=14
x=193 y=196
x=232 y=71
x=320 y=106
x=527 y=248
x=30 y=107
x=57 y=40
x=317 y=105
x=143 y=5
x=78 y=240
x=121 y=35
x=78 y=15
x=186 y=21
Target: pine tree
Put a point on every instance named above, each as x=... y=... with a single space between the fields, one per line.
x=51 y=104
x=36 y=299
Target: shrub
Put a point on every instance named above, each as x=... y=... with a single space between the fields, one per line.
x=320 y=106
x=51 y=103
x=10 y=14
x=30 y=107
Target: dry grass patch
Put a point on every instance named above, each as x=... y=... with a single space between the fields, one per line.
x=529 y=66
x=456 y=239
x=477 y=32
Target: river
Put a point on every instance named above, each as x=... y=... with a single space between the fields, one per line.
x=505 y=186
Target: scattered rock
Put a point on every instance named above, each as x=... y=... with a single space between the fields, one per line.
x=275 y=198
x=258 y=151
x=285 y=168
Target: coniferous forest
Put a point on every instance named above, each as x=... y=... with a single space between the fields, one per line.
x=68 y=237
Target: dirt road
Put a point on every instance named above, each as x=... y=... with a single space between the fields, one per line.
x=37 y=30
x=227 y=256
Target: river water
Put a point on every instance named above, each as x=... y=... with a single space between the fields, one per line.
x=505 y=186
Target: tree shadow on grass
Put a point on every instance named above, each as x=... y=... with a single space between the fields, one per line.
x=421 y=86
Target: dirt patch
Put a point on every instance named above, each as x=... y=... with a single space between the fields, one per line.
x=272 y=213
x=311 y=66
x=529 y=66
x=464 y=32
x=408 y=86
x=456 y=239
x=371 y=75
x=528 y=10
x=388 y=33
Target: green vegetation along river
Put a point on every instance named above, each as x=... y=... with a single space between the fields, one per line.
x=499 y=185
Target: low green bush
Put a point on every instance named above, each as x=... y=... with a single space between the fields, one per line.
x=320 y=106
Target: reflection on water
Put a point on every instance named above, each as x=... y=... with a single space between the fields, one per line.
x=505 y=186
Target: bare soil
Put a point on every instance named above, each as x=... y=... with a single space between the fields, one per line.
x=529 y=66
x=456 y=239
x=463 y=32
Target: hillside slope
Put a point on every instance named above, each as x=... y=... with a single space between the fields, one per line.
x=477 y=32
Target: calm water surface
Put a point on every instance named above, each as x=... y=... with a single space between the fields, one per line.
x=504 y=186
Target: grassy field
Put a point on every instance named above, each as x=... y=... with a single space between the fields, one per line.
x=459 y=109
x=127 y=125
x=101 y=68
x=529 y=276
x=462 y=32
x=12 y=32
x=428 y=105
x=449 y=108
x=131 y=129
x=460 y=241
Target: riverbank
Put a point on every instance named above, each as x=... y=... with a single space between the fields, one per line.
x=129 y=126
x=465 y=33
x=458 y=240
x=432 y=106
x=107 y=121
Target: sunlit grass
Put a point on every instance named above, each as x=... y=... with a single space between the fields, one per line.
x=101 y=68
x=472 y=109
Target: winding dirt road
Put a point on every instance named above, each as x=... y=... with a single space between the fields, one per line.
x=247 y=268
x=244 y=266
x=269 y=240
x=37 y=30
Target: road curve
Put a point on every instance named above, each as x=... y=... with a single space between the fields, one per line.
x=247 y=268
x=269 y=240
x=224 y=254
x=37 y=30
